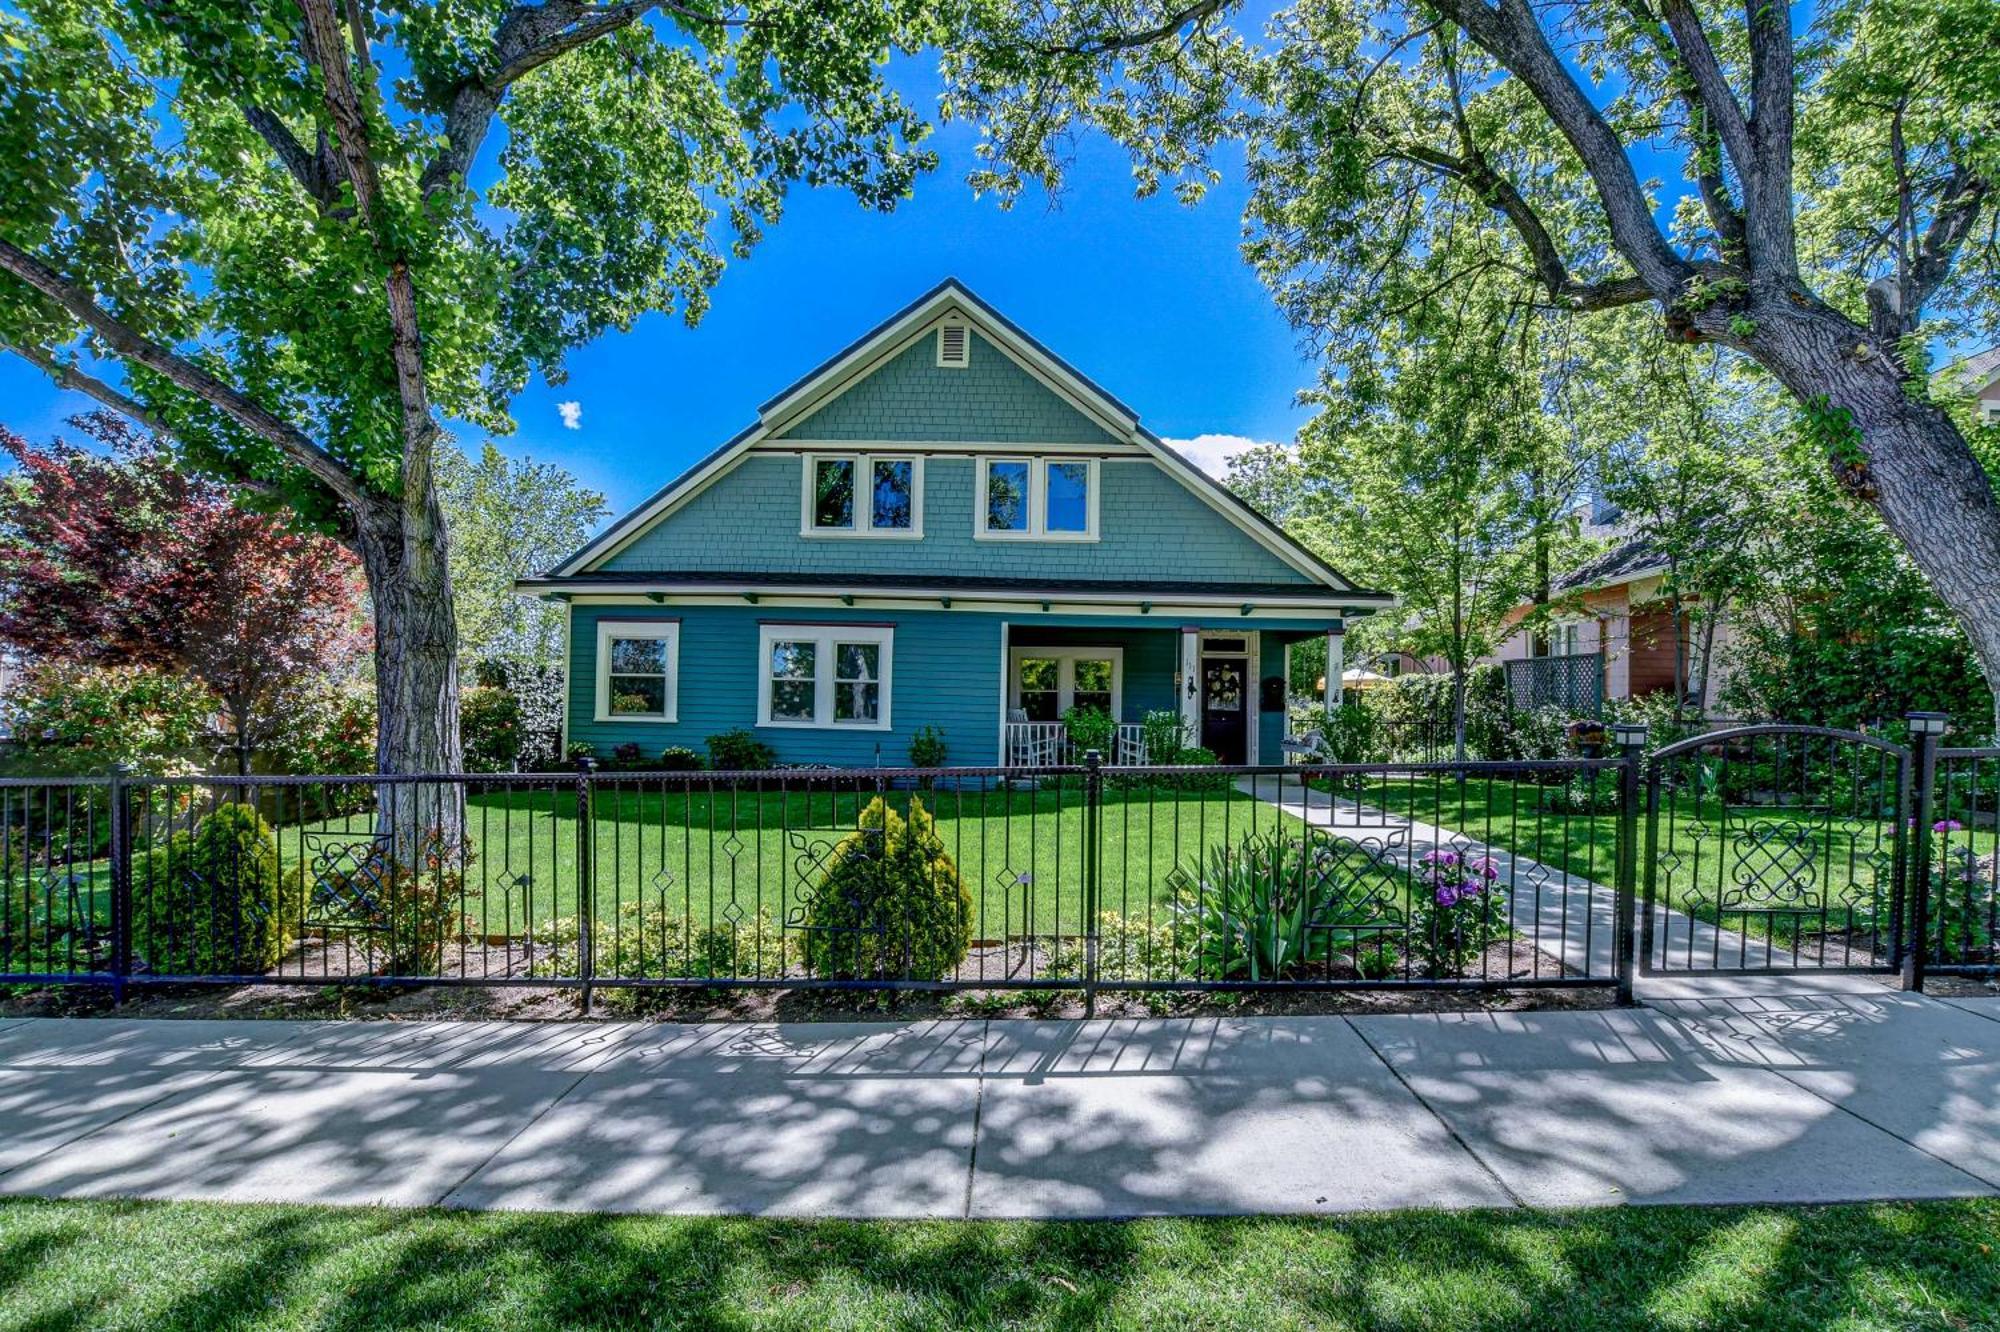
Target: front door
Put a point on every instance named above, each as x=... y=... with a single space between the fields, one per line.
x=1225 y=709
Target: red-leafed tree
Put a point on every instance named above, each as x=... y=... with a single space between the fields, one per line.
x=119 y=558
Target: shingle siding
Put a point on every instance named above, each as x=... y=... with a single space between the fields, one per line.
x=1150 y=527
x=911 y=397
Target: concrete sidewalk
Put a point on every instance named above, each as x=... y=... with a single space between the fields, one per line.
x=1752 y=1095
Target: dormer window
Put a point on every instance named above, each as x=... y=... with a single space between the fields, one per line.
x=863 y=495
x=954 y=346
x=1037 y=499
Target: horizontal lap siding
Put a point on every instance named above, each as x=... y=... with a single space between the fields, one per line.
x=1150 y=525
x=946 y=672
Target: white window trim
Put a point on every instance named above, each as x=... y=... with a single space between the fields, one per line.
x=1038 y=470
x=823 y=637
x=669 y=632
x=864 y=507
x=1066 y=656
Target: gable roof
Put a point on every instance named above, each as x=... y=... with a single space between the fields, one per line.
x=872 y=349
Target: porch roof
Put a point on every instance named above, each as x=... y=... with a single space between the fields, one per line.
x=1241 y=598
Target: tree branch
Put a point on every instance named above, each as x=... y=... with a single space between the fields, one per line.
x=1896 y=301
x=178 y=370
x=1723 y=212
x=1710 y=85
x=69 y=377
x=1512 y=35
x=327 y=40
x=528 y=37
x=312 y=170
x=1499 y=193
x=1767 y=182
x=1112 y=42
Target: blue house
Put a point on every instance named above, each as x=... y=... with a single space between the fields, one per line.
x=944 y=525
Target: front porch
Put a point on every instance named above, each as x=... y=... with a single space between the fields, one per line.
x=1227 y=684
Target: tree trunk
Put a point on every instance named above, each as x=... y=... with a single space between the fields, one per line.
x=1458 y=711
x=403 y=546
x=1911 y=463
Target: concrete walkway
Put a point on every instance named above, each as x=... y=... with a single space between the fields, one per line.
x=1754 y=1094
x=1567 y=915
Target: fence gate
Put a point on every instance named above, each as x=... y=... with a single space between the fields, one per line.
x=1775 y=849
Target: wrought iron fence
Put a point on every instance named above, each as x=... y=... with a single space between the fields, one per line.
x=1077 y=877
x=1762 y=848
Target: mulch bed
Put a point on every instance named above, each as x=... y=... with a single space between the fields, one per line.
x=313 y=999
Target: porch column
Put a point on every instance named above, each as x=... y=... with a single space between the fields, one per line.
x=1191 y=682
x=1336 y=662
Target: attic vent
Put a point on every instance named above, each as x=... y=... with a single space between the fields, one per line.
x=954 y=346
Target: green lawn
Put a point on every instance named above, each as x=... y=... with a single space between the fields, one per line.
x=1020 y=853
x=1700 y=847
x=163 y=1267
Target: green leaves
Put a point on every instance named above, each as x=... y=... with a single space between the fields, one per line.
x=180 y=163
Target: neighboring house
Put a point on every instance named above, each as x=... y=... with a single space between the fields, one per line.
x=1613 y=635
x=945 y=525
x=1977 y=377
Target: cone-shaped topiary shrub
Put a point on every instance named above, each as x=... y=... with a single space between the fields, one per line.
x=889 y=904
x=211 y=902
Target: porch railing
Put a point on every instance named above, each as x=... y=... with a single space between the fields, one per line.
x=1038 y=744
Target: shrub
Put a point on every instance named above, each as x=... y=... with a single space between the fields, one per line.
x=1457 y=910
x=538 y=693
x=1195 y=756
x=1539 y=734
x=72 y=719
x=679 y=758
x=328 y=729
x=1089 y=728
x=1265 y=907
x=1417 y=708
x=927 y=748
x=1129 y=948
x=212 y=902
x=628 y=757
x=1164 y=733
x=655 y=944
x=489 y=727
x=1584 y=793
x=890 y=904
x=740 y=751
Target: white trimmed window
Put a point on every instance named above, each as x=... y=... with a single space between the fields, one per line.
x=638 y=670
x=1036 y=499
x=863 y=495
x=824 y=675
x=1046 y=682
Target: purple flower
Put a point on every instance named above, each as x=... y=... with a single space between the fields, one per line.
x=1442 y=859
x=1470 y=888
x=1947 y=825
x=1447 y=895
x=1486 y=866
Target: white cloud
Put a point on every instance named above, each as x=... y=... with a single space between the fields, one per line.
x=1212 y=453
x=572 y=415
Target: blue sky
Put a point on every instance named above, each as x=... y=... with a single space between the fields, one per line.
x=1150 y=298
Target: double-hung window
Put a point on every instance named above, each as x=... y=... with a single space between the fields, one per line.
x=1049 y=681
x=1037 y=499
x=824 y=675
x=863 y=495
x=638 y=670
